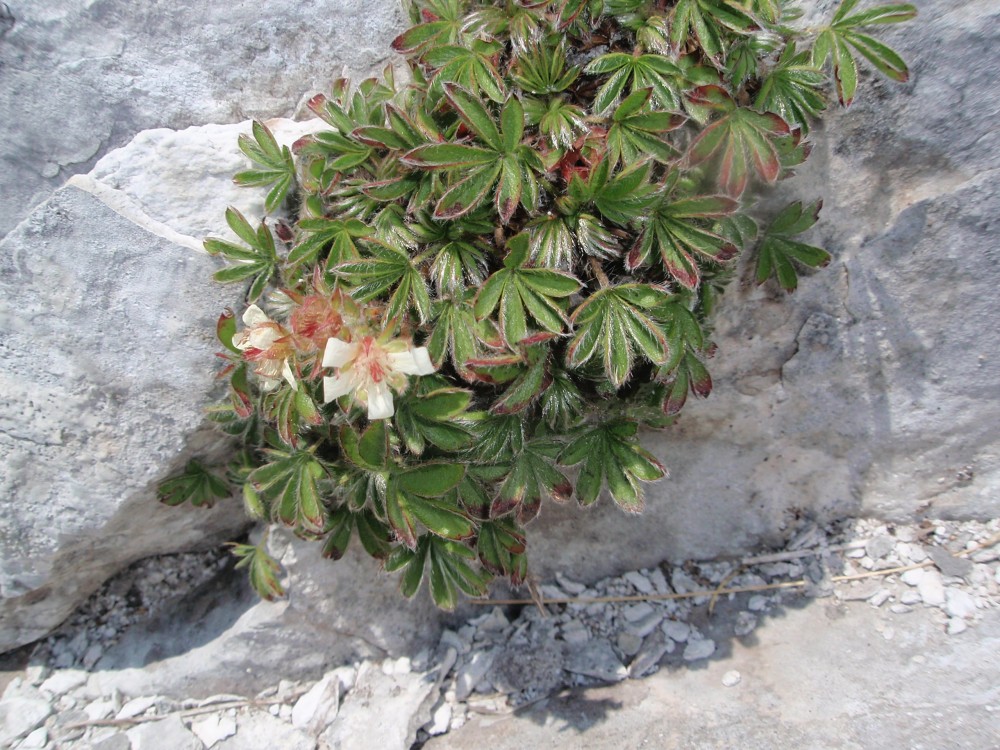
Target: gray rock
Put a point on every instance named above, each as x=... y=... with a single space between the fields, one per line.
x=879 y=546
x=913 y=577
x=699 y=649
x=597 y=659
x=947 y=563
x=402 y=703
x=959 y=603
x=636 y=612
x=122 y=70
x=63 y=681
x=653 y=648
x=536 y=668
x=645 y=625
x=472 y=672
x=639 y=582
x=213 y=728
x=21 y=713
x=138 y=706
x=628 y=643
x=169 y=732
x=676 y=630
x=258 y=730
x=744 y=625
x=318 y=706
x=112 y=741
x=931 y=588
x=225 y=640
x=90 y=421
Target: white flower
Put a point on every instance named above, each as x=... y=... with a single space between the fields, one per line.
x=372 y=370
x=266 y=344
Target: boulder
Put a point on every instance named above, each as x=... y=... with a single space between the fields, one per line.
x=105 y=70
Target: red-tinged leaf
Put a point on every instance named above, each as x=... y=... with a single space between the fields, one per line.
x=713 y=97
x=475 y=115
x=701 y=381
x=448 y=156
x=414 y=39
x=467 y=194
x=225 y=329
x=508 y=193
x=528 y=511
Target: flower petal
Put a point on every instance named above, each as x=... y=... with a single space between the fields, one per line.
x=412 y=362
x=289 y=376
x=380 y=404
x=255 y=316
x=337 y=386
x=338 y=353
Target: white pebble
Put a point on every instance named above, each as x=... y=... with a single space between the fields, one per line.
x=676 y=631
x=757 y=603
x=912 y=577
x=638 y=611
x=879 y=598
x=639 y=582
x=909 y=597
x=959 y=604
x=731 y=678
x=931 y=588
x=956 y=625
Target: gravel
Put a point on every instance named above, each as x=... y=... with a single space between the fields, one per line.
x=500 y=659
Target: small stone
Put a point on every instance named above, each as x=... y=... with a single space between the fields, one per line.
x=99 y=709
x=900 y=609
x=111 y=741
x=700 y=649
x=913 y=577
x=213 y=729
x=639 y=582
x=35 y=740
x=635 y=612
x=454 y=640
x=731 y=678
x=137 y=706
x=64 y=680
x=158 y=735
x=645 y=625
x=879 y=598
x=931 y=588
x=757 y=603
x=745 y=624
x=653 y=649
x=575 y=633
x=947 y=563
x=683 y=583
x=629 y=644
x=957 y=625
x=318 y=706
x=598 y=660
x=92 y=655
x=658 y=580
x=440 y=720
x=959 y=603
x=676 y=631
x=21 y=714
x=570 y=587
x=855 y=553
x=909 y=597
x=472 y=673
x=274 y=709
x=879 y=546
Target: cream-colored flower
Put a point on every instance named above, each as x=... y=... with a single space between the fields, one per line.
x=372 y=370
x=267 y=345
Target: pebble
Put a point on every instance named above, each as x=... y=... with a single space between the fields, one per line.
x=757 y=603
x=441 y=720
x=745 y=624
x=635 y=612
x=570 y=587
x=948 y=564
x=880 y=597
x=639 y=582
x=213 y=729
x=957 y=625
x=472 y=673
x=879 y=546
x=913 y=577
x=63 y=681
x=35 y=740
x=659 y=581
x=676 y=631
x=909 y=597
x=648 y=658
x=597 y=659
x=645 y=625
x=628 y=643
x=112 y=741
x=731 y=678
x=22 y=713
x=166 y=733
x=700 y=649
x=959 y=603
x=900 y=609
x=931 y=588
x=99 y=709
x=137 y=706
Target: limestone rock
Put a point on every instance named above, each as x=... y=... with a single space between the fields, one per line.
x=106 y=335
x=169 y=732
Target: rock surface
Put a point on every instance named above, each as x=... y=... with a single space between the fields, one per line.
x=105 y=70
x=105 y=371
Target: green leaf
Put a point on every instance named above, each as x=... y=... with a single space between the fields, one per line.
x=779 y=253
x=388 y=269
x=196 y=485
x=276 y=162
x=612 y=457
x=475 y=115
x=262 y=568
x=431 y=479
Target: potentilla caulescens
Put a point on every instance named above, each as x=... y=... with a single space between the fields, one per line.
x=371 y=370
x=267 y=345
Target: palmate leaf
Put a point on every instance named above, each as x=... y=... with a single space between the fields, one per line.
x=837 y=39
x=636 y=133
x=500 y=165
x=196 y=485
x=263 y=570
x=530 y=478
x=523 y=292
x=437 y=418
x=613 y=324
x=542 y=69
x=678 y=230
x=621 y=197
x=372 y=533
x=259 y=261
x=456 y=334
x=663 y=78
x=450 y=570
x=690 y=375
x=473 y=68
x=709 y=21
x=291 y=410
x=501 y=547
x=290 y=479
x=329 y=239
x=422 y=496
x=743 y=138
x=778 y=250
x=442 y=24
x=275 y=165
x=388 y=268
x=793 y=89
x=558 y=120
x=683 y=371
x=612 y=457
